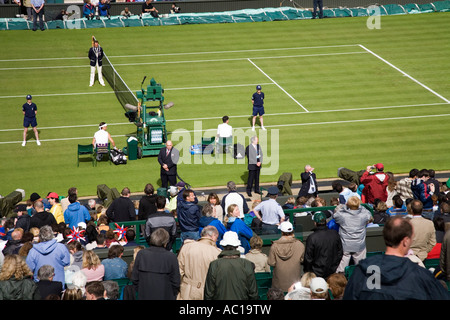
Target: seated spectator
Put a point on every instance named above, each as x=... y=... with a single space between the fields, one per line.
x=95 y=291
x=256 y=256
x=88 y=10
x=92 y=266
x=208 y=219
x=46 y=285
x=103 y=8
x=115 y=266
x=23 y=218
x=41 y=217
x=336 y=284
x=56 y=208
x=319 y=289
x=130 y=237
x=380 y=214
x=76 y=254
x=16 y=282
x=102 y=224
x=126 y=13
x=398 y=207
x=72 y=294
x=213 y=199
x=161 y=219
x=111 y=290
x=13 y=245
x=232 y=222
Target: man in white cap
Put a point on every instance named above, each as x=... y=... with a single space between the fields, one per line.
x=319 y=289
x=231 y=277
x=29 y=110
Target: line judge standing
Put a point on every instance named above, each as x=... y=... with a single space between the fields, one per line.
x=168 y=159
x=255 y=157
x=95 y=57
x=29 y=110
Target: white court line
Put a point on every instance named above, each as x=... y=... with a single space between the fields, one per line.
x=242 y=116
x=184 y=53
x=275 y=83
x=112 y=92
x=189 y=61
x=404 y=73
x=270 y=126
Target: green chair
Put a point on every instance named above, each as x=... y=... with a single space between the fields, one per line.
x=102 y=149
x=85 y=150
x=264 y=282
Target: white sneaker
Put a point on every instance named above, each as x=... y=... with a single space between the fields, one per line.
x=263 y=128
x=102 y=84
x=24 y=143
x=253 y=128
x=38 y=142
x=91 y=85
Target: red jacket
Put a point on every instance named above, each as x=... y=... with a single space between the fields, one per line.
x=374 y=186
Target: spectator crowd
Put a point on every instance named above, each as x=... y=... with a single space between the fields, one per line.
x=52 y=248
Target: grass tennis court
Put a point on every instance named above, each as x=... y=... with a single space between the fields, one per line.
x=337 y=94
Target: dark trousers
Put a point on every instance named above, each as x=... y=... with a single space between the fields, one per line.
x=253 y=180
x=166 y=179
x=41 y=19
x=318 y=4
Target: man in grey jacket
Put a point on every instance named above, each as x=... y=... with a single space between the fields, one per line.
x=352 y=219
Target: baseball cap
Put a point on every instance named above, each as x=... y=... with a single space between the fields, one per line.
x=319 y=217
x=53 y=195
x=318 y=285
x=258 y=87
x=29 y=97
x=21 y=207
x=181 y=184
x=379 y=166
x=272 y=190
x=286 y=226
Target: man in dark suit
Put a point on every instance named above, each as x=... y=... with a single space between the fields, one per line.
x=254 y=156
x=168 y=158
x=309 y=183
x=95 y=58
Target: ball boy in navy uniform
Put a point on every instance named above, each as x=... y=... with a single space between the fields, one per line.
x=258 y=107
x=29 y=110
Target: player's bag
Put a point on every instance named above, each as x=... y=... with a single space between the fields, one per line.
x=118 y=156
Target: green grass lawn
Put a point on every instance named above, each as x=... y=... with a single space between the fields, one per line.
x=360 y=109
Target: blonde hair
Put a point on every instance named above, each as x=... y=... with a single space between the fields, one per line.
x=14 y=266
x=306 y=279
x=353 y=203
x=230 y=210
x=91 y=260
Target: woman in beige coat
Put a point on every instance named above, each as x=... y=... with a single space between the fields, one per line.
x=194 y=258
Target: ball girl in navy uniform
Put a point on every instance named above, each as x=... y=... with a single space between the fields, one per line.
x=258 y=107
x=29 y=112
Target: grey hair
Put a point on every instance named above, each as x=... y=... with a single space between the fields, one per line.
x=46 y=234
x=209 y=231
x=45 y=272
x=231 y=186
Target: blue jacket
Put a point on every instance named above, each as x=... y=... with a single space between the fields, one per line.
x=76 y=213
x=243 y=231
x=50 y=252
x=421 y=192
x=188 y=216
x=211 y=221
x=88 y=9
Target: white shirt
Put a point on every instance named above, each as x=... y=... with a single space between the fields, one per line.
x=101 y=137
x=224 y=130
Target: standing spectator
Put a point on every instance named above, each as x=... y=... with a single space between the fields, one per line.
x=56 y=208
x=345 y=192
x=309 y=183
x=256 y=256
x=230 y=277
x=323 y=249
x=156 y=273
x=352 y=219
x=254 y=156
x=46 y=285
x=115 y=266
x=122 y=208
x=188 y=216
x=391 y=275
x=404 y=185
x=285 y=256
x=65 y=201
x=75 y=212
x=317 y=4
x=29 y=110
x=161 y=219
x=168 y=159
x=375 y=184
x=16 y=281
x=147 y=204
x=234 y=197
x=38 y=11
x=424 y=238
x=194 y=259
x=41 y=217
x=48 y=251
x=432 y=179
x=258 y=107
x=270 y=212
x=95 y=56
x=92 y=266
